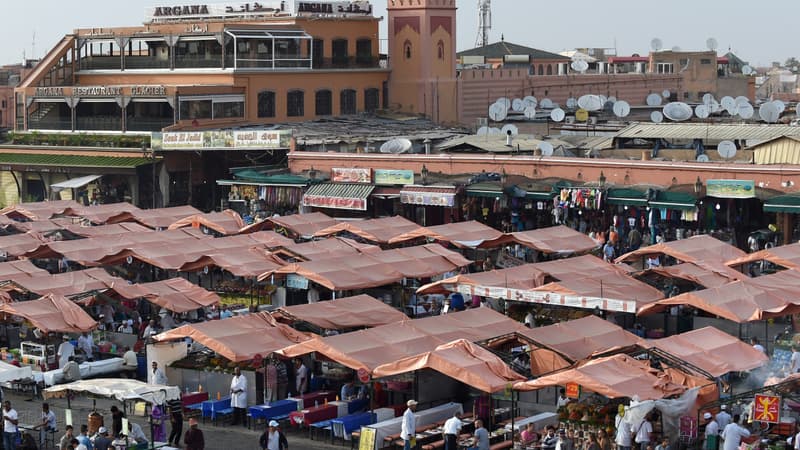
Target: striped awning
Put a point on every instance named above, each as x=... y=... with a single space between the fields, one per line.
x=338 y=195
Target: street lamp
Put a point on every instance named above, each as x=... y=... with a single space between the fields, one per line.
x=151 y=155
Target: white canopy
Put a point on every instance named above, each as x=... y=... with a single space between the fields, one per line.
x=119 y=388
x=74 y=183
x=10 y=372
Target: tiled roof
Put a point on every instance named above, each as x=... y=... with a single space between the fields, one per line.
x=51 y=159
x=503 y=48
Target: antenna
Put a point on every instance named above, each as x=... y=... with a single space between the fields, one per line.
x=530 y=112
x=396 y=146
x=530 y=101
x=518 y=105
x=498 y=112
x=676 y=49
x=579 y=66
x=702 y=111
x=484 y=22
x=546 y=103
x=483 y=131
x=745 y=111
x=509 y=130
x=677 y=111
x=656 y=117
x=726 y=149
x=769 y=112
x=712 y=44
x=747 y=70
x=33 y=46
x=572 y=103
x=702 y=158
x=656 y=44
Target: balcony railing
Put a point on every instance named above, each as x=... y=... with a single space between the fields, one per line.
x=148 y=124
x=262 y=61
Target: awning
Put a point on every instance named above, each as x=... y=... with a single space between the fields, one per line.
x=74 y=183
x=338 y=196
x=485 y=190
x=787 y=256
x=67 y=160
x=626 y=196
x=227 y=222
x=558 y=239
x=52 y=313
x=119 y=389
x=380 y=231
x=429 y=195
x=674 y=200
x=343 y=313
x=700 y=248
x=783 y=204
x=303 y=225
x=579 y=339
x=175 y=294
x=471 y=234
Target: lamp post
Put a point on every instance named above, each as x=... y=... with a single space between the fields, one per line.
x=151 y=155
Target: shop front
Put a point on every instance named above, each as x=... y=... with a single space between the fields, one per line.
x=431 y=205
x=339 y=199
x=257 y=195
x=731 y=209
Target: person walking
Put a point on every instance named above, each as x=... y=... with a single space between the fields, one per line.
x=102 y=442
x=193 y=439
x=272 y=438
x=10 y=422
x=175 y=411
x=733 y=433
x=239 y=397
x=157 y=375
x=711 y=432
x=64 y=442
x=408 y=427
x=642 y=433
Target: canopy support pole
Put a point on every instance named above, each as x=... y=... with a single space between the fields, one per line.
x=766 y=335
x=512 y=415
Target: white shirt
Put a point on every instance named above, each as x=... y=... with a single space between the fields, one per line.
x=130 y=359
x=452 y=426
x=643 y=431
x=733 y=435
x=562 y=401
x=157 y=377
x=86 y=343
x=136 y=433
x=796 y=441
x=239 y=400
x=273 y=440
x=623 y=437
x=9 y=427
x=408 y=428
x=301 y=378
x=51 y=419
x=712 y=428
x=65 y=350
x=794 y=362
x=723 y=419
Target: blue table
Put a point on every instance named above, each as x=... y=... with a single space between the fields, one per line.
x=210 y=408
x=343 y=426
x=272 y=410
x=357 y=405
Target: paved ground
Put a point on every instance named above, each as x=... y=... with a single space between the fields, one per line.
x=217 y=438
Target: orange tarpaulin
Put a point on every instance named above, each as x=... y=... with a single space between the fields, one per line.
x=38 y=210
x=378 y=231
x=155 y=218
x=581 y=338
x=469 y=234
x=303 y=225
x=12 y=270
x=342 y=313
x=249 y=263
x=239 y=338
x=712 y=350
x=52 y=313
x=460 y=360
x=787 y=256
x=227 y=222
x=708 y=275
x=696 y=248
x=559 y=239
x=327 y=248
x=775 y=295
x=18 y=244
x=67 y=283
x=174 y=294
x=115 y=229
x=614 y=376
x=99 y=214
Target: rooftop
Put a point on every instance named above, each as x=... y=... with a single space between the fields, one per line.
x=732 y=131
x=500 y=49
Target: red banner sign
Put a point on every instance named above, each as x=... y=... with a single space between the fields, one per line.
x=321 y=201
x=767 y=408
x=351 y=175
x=573 y=390
x=363 y=375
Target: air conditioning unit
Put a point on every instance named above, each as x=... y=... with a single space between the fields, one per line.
x=569 y=119
x=483 y=122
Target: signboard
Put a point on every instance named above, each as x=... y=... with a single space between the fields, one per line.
x=202 y=11
x=296 y=282
x=446 y=199
x=144 y=90
x=367 y=439
x=731 y=188
x=572 y=390
x=322 y=201
x=256 y=139
x=356 y=8
x=389 y=176
x=766 y=408
x=351 y=175
x=363 y=375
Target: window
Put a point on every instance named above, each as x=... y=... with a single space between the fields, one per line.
x=266 y=104
x=407 y=49
x=339 y=51
x=324 y=103
x=371 y=99
x=684 y=62
x=664 y=68
x=440 y=50
x=364 y=51
x=347 y=102
x=316 y=49
x=211 y=107
x=705 y=61
x=686 y=95
x=195 y=109
x=549 y=69
x=295 y=104
x=228 y=109
x=541 y=69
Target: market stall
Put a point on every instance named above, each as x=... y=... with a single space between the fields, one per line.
x=116 y=229
x=302 y=226
x=99 y=214
x=786 y=256
x=16 y=245
x=700 y=248
x=38 y=210
x=703 y=274
x=65 y=284
x=225 y=223
x=382 y=231
x=12 y=270
x=157 y=218
x=559 y=241
x=360 y=311
x=175 y=294
x=469 y=234
x=325 y=248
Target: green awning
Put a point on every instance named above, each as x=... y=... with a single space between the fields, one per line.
x=626 y=196
x=250 y=175
x=674 y=200
x=784 y=204
x=62 y=160
x=485 y=190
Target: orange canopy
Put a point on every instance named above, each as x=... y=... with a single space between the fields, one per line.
x=369 y=270
x=249 y=263
x=38 y=210
x=15 y=245
x=694 y=249
x=52 y=313
x=227 y=222
x=712 y=350
x=68 y=283
x=614 y=376
x=389 y=343
x=787 y=256
x=115 y=229
x=99 y=214
x=469 y=234
x=327 y=248
x=460 y=360
x=524 y=277
x=706 y=274
x=378 y=231
x=155 y=218
x=303 y=225
x=579 y=339
x=174 y=294
x=559 y=240
x=239 y=338
x=12 y=270
x=765 y=297
x=343 y=313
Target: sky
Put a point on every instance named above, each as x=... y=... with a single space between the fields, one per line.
x=749 y=30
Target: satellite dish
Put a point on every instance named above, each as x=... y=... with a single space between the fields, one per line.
x=546 y=148
x=495 y=131
x=747 y=70
x=546 y=103
x=572 y=103
x=676 y=49
x=509 y=130
x=622 y=108
x=708 y=99
x=656 y=44
x=612 y=99
x=666 y=93
x=396 y=146
x=745 y=111
x=581 y=115
x=702 y=158
x=797 y=109
x=498 y=112
x=483 y=131
x=715 y=107
x=701 y=111
x=656 y=117
x=591 y=102
x=579 y=66
x=769 y=112
x=780 y=105
x=726 y=149
x=653 y=100
x=741 y=100
x=504 y=101
x=518 y=105
x=677 y=111
x=530 y=112
x=557 y=115
x=711 y=44
x=530 y=101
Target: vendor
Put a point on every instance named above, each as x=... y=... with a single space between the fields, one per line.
x=86 y=345
x=65 y=351
x=348 y=390
x=130 y=362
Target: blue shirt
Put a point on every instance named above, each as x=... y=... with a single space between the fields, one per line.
x=457 y=302
x=483 y=438
x=347 y=392
x=83 y=439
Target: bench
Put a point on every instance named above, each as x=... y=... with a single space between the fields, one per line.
x=324 y=425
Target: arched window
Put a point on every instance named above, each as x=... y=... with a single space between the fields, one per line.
x=266 y=104
x=549 y=69
x=407 y=49
x=541 y=69
x=339 y=52
x=295 y=103
x=324 y=103
x=371 y=99
x=440 y=50
x=347 y=102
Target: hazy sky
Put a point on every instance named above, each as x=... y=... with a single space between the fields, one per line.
x=753 y=32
